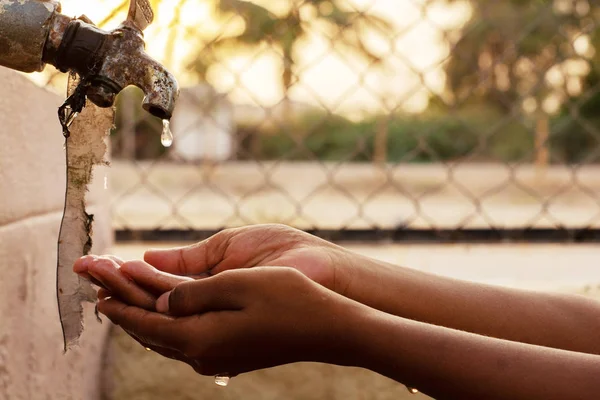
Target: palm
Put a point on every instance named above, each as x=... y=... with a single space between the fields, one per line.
x=254 y=246
x=274 y=245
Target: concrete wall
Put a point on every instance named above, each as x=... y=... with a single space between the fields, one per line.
x=32 y=365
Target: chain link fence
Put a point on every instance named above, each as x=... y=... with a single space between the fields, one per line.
x=414 y=119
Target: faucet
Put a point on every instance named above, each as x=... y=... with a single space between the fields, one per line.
x=34 y=33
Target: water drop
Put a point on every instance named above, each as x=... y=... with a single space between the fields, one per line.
x=148 y=348
x=166 y=139
x=412 y=390
x=105 y=182
x=222 y=380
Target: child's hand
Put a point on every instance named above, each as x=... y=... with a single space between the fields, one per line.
x=134 y=282
x=242 y=320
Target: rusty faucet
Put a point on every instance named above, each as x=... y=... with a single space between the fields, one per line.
x=34 y=33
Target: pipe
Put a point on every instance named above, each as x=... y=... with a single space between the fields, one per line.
x=33 y=33
x=24 y=28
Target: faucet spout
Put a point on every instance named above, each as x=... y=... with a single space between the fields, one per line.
x=34 y=33
x=159 y=86
x=127 y=63
x=112 y=61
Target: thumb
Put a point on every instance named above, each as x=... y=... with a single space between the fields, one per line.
x=222 y=292
x=187 y=260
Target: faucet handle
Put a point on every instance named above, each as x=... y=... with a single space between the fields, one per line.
x=140 y=13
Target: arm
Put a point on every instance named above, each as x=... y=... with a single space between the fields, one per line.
x=554 y=320
x=251 y=319
x=449 y=364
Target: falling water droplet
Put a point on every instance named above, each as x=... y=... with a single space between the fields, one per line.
x=105 y=182
x=222 y=380
x=166 y=139
x=412 y=390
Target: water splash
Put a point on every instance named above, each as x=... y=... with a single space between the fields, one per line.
x=166 y=138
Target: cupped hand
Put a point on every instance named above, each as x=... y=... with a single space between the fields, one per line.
x=138 y=283
x=243 y=320
x=260 y=245
x=135 y=283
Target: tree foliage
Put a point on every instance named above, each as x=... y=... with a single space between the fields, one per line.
x=284 y=31
x=508 y=49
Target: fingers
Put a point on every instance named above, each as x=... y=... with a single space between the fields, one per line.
x=150 y=328
x=146 y=276
x=196 y=260
x=218 y=293
x=107 y=273
x=116 y=259
x=150 y=278
x=82 y=264
x=167 y=353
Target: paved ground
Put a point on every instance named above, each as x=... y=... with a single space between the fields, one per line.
x=147 y=195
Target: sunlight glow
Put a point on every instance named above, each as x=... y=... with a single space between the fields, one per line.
x=334 y=79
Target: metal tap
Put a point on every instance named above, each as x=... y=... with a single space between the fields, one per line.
x=108 y=60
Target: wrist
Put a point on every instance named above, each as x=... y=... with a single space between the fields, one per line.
x=345 y=333
x=351 y=269
x=392 y=347
x=381 y=343
x=371 y=282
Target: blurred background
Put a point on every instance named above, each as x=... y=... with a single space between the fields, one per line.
x=375 y=122
x=363 y=116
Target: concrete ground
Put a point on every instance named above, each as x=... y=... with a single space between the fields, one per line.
x=133 y=373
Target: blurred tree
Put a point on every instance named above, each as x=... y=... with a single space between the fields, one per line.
x=577 y=137
x=529 y=54
x=507 y=50
x=285 y=30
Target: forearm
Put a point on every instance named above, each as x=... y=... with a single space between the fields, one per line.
x=552 y=320
x=450 y=364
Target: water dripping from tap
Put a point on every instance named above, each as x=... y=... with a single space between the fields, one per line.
x=222 y=380
x=166 y=138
